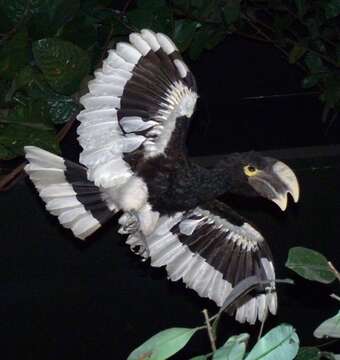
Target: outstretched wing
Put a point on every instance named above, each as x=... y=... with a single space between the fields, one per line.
x=212 y=249
x=138 y=107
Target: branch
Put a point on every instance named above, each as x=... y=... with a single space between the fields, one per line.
x=209 y=330
x=18 y=24
x=334 y=270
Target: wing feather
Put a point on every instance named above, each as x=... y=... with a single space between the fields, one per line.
x=212 y=253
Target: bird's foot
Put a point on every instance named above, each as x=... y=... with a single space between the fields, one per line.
x=129 y=222
x=138 y=245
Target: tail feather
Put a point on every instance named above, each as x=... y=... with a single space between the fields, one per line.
x=63 y=185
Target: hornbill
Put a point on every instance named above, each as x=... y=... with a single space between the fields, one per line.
x=132 y=131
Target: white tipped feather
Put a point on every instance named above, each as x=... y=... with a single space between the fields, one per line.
x=115 y=75
x=139 y=43
x=69 y=216
x=57 y=190
x=104 y=89
x=179 y=266
x=261 y=307
x=94 y=115
x=114 y=60
x=85 y=226
x=272 y=302
x=188 y=226
x=43 y=158
x=150 y=37
x=133 y=142
x=128 y=52
x=135 y=123
x=251 y=311
x=166 y=43
x=241 y=314
x=181 y=67
x=91 y=102
x=168 y=253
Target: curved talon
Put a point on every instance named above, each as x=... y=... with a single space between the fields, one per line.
x=130 y=223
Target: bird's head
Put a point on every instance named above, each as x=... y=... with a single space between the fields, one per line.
x=257 y=175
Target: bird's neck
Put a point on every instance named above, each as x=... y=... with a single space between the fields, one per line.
x=214 y=181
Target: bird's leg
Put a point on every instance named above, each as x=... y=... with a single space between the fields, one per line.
x=130 y=222
x=131 y=225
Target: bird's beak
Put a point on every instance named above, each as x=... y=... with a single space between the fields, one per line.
x=275 y=182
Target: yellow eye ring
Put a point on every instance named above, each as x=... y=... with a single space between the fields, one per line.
x=250 y=170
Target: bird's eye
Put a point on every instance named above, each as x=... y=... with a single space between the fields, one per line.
x=250 y=170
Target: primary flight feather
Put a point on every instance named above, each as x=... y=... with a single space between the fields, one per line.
x=132 y=131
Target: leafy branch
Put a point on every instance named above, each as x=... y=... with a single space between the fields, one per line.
x=48 y=52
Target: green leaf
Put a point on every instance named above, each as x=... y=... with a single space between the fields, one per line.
x=296 y=53
x=14 y=55
x=47 y=17
x=309 y=264
x=281 y=342
x=63 y=64
x=158 y=19
x=60 y=107
x=151 y=4
x=184 y=33
x=231 y=11
x=80 y=31
x=314 y=62
x=163 y=345
x=329 y=328
x=14 y=10
x=308 y=353
x=27 y=124
x=312 y=80
x=332 y=8
x=233 y=349
x=301 y=7
x=199 y=42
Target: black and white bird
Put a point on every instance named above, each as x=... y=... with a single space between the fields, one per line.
x=132 y=131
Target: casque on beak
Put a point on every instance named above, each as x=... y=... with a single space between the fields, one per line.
x=275 y=182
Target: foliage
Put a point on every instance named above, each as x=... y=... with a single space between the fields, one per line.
x=329 y=328
x=310 y=264
x=48 y=48
x=281 y=342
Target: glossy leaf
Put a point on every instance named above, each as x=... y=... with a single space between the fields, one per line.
x=151 y=4
x=14 y=10
x=296 y=53
x=184 y=33
x=332 y=8
x=163 y=345
x=233 y=349
x=47 y=17
x=329 y=328
x=308 y=353
x=301 y=7
x=231 y=11
x=312 y=80
x=81 y=31
x=314 y=62
x=14 y=55
x=158 y=19
x=60 y=107
x=63 y=64
x=309 y=264
x=27 y=124
x=281 y=342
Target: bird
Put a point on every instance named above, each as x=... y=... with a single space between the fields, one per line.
x=134 y=162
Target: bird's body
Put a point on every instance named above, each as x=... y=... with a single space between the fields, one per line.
x=133 y=130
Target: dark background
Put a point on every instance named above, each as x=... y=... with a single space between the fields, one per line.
x=63 y=298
